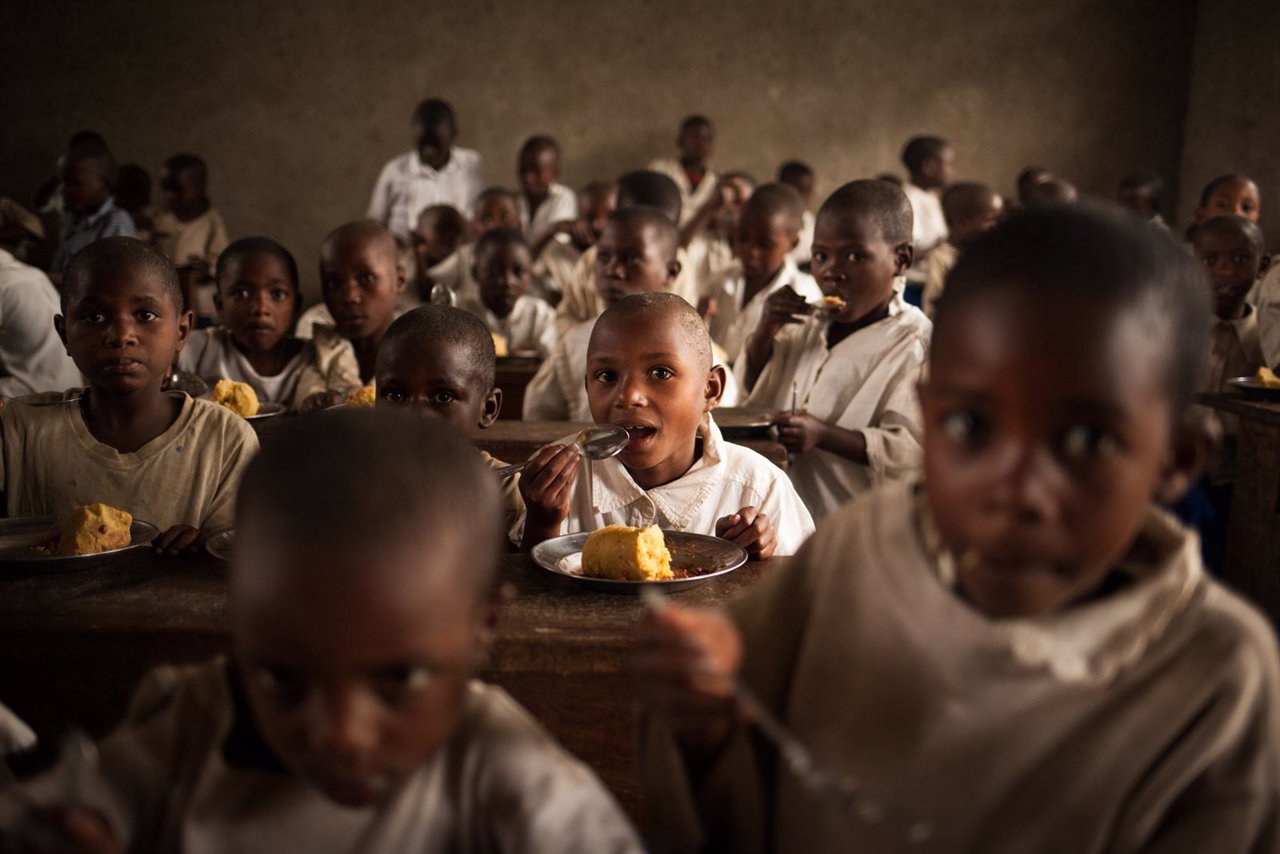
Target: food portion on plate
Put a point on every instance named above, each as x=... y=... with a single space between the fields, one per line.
x=89 y=530
x=831 y=305
x=500 y=348
x=1266 y=377
x=627 y=554
x=239 y=397
x=363 y=397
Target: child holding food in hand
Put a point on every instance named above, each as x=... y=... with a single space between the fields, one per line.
x=650 y=372
x=162 y=456
x=1021 y=653
x=843 y=379
x=257 y=301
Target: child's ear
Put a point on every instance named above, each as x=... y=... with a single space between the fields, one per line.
x=1264 y=265
x=673 y=270
x=401 y=279
x=492 y=408
x=1194 y=439
x=903 y=255
x=795 y=241
x=186 y=320
x=60 y=326
x=716 y=380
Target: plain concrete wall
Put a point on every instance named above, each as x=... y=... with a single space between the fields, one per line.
x=1233 y=113
x=297 y=105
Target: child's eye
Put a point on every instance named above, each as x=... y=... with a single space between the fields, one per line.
x=965 y=428
x=1210 y=260
x=819 y=257
x=329 y=284
x=284 y=684
x=279 y=295
x=662 y=373
x=605 y=377
x=93 y=317
x=147 y=316
x=368 y=279
x=240 y=294
x=443 y=398
x=401 y=683
x=854 y=257
x=1238 y=259
x=392 y=396
x=1083 y=442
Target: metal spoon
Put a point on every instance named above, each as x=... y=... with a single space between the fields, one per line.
x=442 y=294
x=597 y=443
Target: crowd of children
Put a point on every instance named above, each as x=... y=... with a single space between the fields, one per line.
x=998 y=637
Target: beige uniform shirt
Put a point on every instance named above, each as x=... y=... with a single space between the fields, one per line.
x=512 y=501
x=1269 y=317
x=735 y=320
x=938 y=265
x=50 y=463
x=202 y=238
x=531 y=325
x=188 y=773
x=1145 y=721
x=1235 y=350
x=691 y=199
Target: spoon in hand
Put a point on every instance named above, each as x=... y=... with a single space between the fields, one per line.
x=597 y=443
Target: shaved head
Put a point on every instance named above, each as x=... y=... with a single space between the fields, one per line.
x=878 y=201
x=778 y=199
x=1232 y=225
x=650 y=189
x=670 y=310
x=965 y=200
x=363 y=232
x=446 y=327
x=656 y=225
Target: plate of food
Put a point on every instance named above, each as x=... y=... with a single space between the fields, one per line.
x=1264 y=385
x=618 y=559
x=749 y=418
x=88 y=537
x=219 y=545
x=241 y=399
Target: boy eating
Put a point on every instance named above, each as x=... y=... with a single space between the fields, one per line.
x=439 y=361
x=348 y=717
x=164 y=457
x=970 y=210
x=843 y=380
x=650 y=371
x=1021 y=653
x=502 y=269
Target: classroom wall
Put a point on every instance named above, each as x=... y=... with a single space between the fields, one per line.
x=296 y=105
x=1233 y=115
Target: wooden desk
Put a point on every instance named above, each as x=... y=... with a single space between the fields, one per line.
x=1253 y=531
x=73 y=646
x=512 y=375
x=516 y=441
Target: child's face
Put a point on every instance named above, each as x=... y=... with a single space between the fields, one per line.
x=496 y=212
x=123 y=331
x=941 y=170
x=1238 y=196
x=762 y=243
x=648 y=379
x=596 y=206
x=434 y=139
x=1047 y=432
x=84 y=185
x=967 y=229
x=538 y=170
x=803 y=184
x=630 y=260
x=1137 y=199
x=503 y=276
x=852 y=260
x=1234 y=264
x=434 y=378
x=257 y=301
x=433 y=243
x=354 y=686
x=361 y=280
x=696 y=142
x=182 y=194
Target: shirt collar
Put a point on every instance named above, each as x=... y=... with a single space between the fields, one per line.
x=424 y=170
x=97 y=216
x=1241 y=325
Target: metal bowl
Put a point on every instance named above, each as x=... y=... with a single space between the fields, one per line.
x=711 y=557
x=1254 y=390
x=219 y=545
x=19 y=538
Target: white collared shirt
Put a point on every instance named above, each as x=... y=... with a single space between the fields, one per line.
x=734 y=322
x=928 y=227
x=803 y=252
x=531 y=325
x=406 y=186
x=30 y=352
x=1269 y=316
x=560 y=204
x=724 y=480
x=691 y=199
x=867 y=383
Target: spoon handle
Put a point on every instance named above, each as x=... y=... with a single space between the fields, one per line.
x=506 y=471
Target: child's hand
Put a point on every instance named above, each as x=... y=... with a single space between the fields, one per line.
x=799 y=431
x=750 y=529
x=687 y=661
x=320 y=400
x=62 y=830
x=180 y=540
x=783 y=306
x=547 y=486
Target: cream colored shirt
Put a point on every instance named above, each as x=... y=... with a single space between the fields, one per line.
x=512 y=501
x=938 y=265
x=709 y=258
x=455 y=272
x=691 y=199
x=928 y=226
x=1235 y=350
x=1269 y=317
x=1147 y=720
x=867 y=383
x=560 y=204
x=326 y=362
x=734 y=321
x=202 y=238
x=172 y=780
x=31 y=354
x=406 y=186
x=50 y=463
x=724 y=480
x=557 y=265
x=531 y=325
x=803 y=252
x=582 y=301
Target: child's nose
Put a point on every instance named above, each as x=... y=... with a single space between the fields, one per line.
x=342 y=725
x=1028 y=486
x=121 y=332
x=350 y=291
x=630 y=394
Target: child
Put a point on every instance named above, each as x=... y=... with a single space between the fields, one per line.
x=495 y=208
x=708 y=236
x=767 y=233
x=190 y=231
x=800 y=177
x=89 y=211
x=1230 y=194
x=556 y=263
x=164 y=457
x=439 y=360
x=348 y=718
x=650 y=371
x=436 y=172
x=696 y=180
x=32 y=359
x=636 y=254
x=361 y=280
x=971 y=209
x=1021 y=653
x=1049 y=192
x=440 y=232
x=844 y=383
x=1028 y=179
x=257 y=301
x=132 y=194
x=544 y=201
x=931 y=165
x=1142 y=193
x=502 y=268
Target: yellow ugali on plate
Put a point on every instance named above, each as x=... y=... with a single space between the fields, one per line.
x=627 y=554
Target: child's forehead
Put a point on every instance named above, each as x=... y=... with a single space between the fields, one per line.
x=1222 y=236
x=429 y=356
x=654 y=331
x=848 y=224
x=1235 y=187
x=126 y=281
x=358 y=248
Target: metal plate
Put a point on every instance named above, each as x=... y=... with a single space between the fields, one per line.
x=712 y=556
x=742 y=418
x=267 y=410
x=19 y=537
x=219 y=545
x=1254 y=390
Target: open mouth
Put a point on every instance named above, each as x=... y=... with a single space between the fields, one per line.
x=640 y=435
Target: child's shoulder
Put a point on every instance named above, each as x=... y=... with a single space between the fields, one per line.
x=37 y=407
x=1239 y=639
